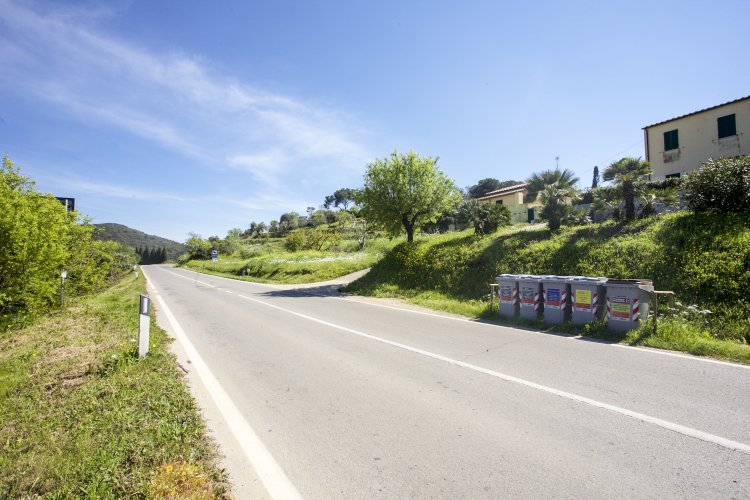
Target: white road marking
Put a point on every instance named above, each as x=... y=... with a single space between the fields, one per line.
x=273 y=477
x=681 y=429
x=647 y=350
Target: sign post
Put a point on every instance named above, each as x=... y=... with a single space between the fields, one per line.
x=214 y=257
x=145 y=324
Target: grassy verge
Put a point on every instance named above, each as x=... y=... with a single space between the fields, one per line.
x=80 y=415
x=704 y=258
x=273 y=264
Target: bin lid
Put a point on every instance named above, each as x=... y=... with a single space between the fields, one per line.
x=507 y=276
x=552 y=277
x=630 y=282
x=529 y=277
x=587 y=280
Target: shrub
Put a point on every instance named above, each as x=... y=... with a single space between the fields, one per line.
x=722 y=185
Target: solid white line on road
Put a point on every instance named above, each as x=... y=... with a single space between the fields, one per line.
x=273 y=477
x=681 y=429
x=646 y=350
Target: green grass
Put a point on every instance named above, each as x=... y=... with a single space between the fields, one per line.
x=82 y=416
x=704 y=258
x=273 y=264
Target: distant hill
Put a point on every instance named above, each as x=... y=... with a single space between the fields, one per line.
x=133 y=238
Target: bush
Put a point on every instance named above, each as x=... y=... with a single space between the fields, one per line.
x=39 y=238
x=722 y=185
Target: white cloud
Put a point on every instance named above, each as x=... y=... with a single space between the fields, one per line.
x=174 y=100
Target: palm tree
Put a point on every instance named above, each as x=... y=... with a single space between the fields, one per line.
x=629 y=174
x=554 y=188
x=562 y=178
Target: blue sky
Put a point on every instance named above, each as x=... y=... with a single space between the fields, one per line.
x=172 y=117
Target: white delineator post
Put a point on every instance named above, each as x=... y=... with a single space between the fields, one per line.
x=145 y=323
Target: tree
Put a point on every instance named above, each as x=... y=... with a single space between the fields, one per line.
x=562 y=178
x=485 y=217
x=595 y=181
x=404 y=190
x=341 y=197
x=555 y=189
x=630 y=175
x=198 y=248
x=486 y=185
x=289 y=221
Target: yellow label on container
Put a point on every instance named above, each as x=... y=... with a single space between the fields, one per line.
x=583 y=299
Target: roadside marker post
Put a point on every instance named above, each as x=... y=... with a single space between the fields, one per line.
x=144 y=313
x=63 y=275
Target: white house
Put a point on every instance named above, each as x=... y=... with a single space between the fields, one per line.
x=675 y=147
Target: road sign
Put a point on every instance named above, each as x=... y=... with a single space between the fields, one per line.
x=215 y=255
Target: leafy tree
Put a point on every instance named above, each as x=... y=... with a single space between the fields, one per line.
x=630 y=175
x=198 y=248
x=485 y=217
x=722 y=185
x=404 y=190
x=554 y=189
x=289 y=221
x=329 y=201
x=486 y=185
x=39 y=238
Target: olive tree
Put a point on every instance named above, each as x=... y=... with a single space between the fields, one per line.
x=404 y=191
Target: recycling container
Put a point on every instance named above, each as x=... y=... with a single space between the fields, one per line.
x=556 y=298
x=507 y=291
x=587 y=297
x=530 y=294
x=627 y=303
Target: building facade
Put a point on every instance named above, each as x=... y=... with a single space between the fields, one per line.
x=513 y=198
x=677 y=146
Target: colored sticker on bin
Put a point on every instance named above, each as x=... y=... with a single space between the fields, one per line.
x=527 y=295
x=620 y=308
x=506 y=294
x=583 y=299
x=552 y=298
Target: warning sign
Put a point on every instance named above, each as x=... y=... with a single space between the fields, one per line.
x=527 y=295
x=620 y=308
x=552 y=299
x=583 y=299
x=506 y=294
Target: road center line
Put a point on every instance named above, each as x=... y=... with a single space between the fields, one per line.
x=646 y=350
x=273 y=477
x=681 y=429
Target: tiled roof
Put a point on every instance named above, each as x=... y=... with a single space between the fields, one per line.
x=699 y=111
x=503 y=191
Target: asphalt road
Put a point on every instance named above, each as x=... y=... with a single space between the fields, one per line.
x=344 y=397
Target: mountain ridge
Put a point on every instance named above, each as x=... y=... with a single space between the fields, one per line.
x=112 y=231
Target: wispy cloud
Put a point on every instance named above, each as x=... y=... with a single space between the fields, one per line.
x=174 y=100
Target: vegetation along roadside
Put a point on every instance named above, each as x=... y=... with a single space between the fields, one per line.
x=81 y=415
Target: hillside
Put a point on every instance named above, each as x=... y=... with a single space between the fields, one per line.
x=704 y=258
x=134 y=238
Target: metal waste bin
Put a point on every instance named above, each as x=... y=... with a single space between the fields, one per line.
x=555 y=294
x=507 y=291
x=530 y=294
x=627 y=303
x=587 y=297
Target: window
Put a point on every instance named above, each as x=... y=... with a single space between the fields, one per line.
x=677 y=175
x=671 y=141
x=727 y=126
x=498 y=202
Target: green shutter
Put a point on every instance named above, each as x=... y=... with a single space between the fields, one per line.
x=727 y=126
x=671 y=140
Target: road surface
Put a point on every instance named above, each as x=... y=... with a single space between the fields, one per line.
x=316 y=395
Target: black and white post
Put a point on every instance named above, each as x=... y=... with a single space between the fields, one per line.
x=143 y=331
